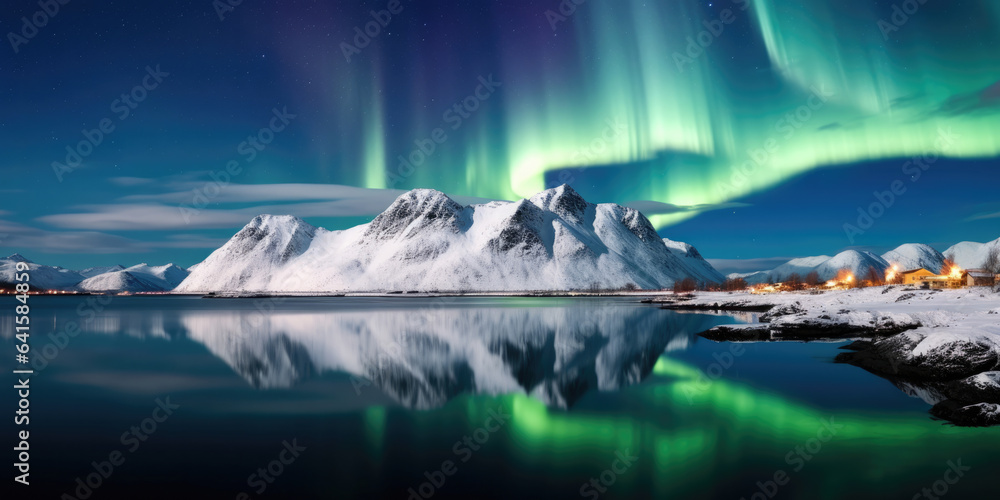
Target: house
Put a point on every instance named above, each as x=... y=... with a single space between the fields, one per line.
x=978 y=277
x=916 y=276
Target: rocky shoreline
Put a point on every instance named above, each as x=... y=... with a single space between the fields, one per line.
x=943 y=347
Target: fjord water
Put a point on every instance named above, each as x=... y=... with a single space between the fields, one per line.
x=463 y=398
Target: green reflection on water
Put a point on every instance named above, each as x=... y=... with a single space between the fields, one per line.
x=689 y=432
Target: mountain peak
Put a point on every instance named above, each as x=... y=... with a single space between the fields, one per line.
x=563 y=201
x=18 y=258
x=267 y=220
x=416 y=209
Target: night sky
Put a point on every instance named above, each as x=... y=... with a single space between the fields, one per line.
x=762 y=144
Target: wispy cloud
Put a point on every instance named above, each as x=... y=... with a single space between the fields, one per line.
x=163 y=211
x=995 y=215
x=13 y=235
x=20 y=236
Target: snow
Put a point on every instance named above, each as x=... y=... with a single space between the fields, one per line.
x=117 y=281
x=855 y=261
x=140 y=278
x=427 y=242
x=913 y=256
x=90 y=272
x=165 y=277
x=42 y=277
x=969 y=254
x=951 y=327
x=700 y=268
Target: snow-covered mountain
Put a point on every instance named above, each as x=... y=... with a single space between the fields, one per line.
x=827 y=267
x=42 y=277
x=858 y=263
x=90 y=272
x=915 y=256
x=426 y=241
x=140 y=278
x=969 y=254
x=802 y=266
x=117 y=281
x=699 y=268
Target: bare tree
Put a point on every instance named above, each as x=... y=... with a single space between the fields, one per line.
x=873 y=277
x=736 y=284
x=685 y=285
x=794 y=281
x=812 y=279
x=992 y=262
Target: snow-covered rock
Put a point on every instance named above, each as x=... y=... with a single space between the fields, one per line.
x=941 y=346
x=425 y=241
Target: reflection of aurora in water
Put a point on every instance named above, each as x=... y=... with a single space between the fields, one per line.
x=689 y=428
x=687 y=130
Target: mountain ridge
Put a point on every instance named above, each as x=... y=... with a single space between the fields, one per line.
x=425 y=241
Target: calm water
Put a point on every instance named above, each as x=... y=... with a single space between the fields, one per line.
x=465 y=398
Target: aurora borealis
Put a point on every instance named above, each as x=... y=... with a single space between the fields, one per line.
x=694 y=108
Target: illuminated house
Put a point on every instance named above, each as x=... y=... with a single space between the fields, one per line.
x=916 y=276
x=978 y=277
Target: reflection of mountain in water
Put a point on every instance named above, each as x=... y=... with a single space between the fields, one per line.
x=423 y=357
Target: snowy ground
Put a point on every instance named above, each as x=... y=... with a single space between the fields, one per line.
x=942 y=346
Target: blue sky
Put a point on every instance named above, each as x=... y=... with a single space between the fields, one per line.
x=203 y=89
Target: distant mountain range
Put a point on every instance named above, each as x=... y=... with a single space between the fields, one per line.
x=425 y=241
x=139 y=278
x=967 y=255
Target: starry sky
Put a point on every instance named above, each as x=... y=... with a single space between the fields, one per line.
x=753 y=129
